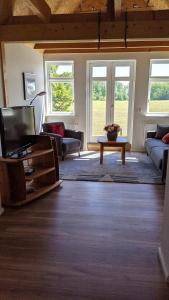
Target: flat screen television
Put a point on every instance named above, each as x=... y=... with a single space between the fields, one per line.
x=17 y=129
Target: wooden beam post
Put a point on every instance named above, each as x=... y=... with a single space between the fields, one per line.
x=111 y=9
x=41 y=9
x=6 y=10
x=3 y=74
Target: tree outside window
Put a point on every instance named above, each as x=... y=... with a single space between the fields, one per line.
x=61 y=83
x=158 y=101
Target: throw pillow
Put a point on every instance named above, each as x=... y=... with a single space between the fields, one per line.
x=161 y=131
x=56 y=128
x=165 y=139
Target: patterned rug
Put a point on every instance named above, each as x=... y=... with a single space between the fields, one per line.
x=138 y=168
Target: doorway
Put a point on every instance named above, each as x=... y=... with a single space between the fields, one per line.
x=111 y=90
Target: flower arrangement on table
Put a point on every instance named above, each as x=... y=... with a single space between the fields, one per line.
x=112 y=131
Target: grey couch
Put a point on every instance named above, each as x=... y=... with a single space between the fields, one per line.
x=158 y=152
x=72 y=141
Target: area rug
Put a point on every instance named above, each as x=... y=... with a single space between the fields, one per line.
x=138 y=168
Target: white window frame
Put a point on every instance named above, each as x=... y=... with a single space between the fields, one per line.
x=64 y=80
x=156 y=79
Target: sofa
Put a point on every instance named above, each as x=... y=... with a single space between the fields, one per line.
x=157 y=149
x=68 y=141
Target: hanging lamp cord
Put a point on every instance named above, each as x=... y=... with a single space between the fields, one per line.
x=98 y=29
x=125 y=28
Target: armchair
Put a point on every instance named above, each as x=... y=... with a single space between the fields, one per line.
x=68 y=141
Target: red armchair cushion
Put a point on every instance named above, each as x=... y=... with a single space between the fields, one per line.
x=56 y=128
x=165 y=138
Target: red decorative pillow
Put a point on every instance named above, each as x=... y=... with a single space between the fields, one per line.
x=56 y=128
x=165 y=138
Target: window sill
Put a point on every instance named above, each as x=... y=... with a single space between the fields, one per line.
x=60 y=115
x=158 y=115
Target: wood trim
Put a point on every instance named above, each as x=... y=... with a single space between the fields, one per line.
x=108 y=50
x=103 y=45
x=6 y=10
x=3 y=74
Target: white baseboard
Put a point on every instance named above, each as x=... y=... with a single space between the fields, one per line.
x=163 y=264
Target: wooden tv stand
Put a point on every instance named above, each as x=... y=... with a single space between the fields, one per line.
x=17 y=188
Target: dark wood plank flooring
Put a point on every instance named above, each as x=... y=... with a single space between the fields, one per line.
x=86 y=240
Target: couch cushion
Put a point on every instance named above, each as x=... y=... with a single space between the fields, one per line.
x=56 y=128
x=161 y=131
x=157 y=156
x=151 y=143
x=165 y=139
x=70 y=145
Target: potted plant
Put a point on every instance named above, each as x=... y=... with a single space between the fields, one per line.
x=112 y=131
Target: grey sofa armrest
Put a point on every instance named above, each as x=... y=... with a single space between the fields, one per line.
x=79 y=135
x=151 y=134
x=164 y=164
x=57 y=138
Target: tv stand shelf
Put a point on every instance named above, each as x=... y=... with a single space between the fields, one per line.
x=39 y=172
x=17 y=188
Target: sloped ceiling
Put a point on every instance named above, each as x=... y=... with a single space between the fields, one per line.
x=76 y=6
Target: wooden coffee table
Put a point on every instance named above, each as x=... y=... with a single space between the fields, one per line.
x=120 y=142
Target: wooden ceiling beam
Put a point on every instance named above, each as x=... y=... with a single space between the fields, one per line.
x=103 y=45
x=62 y=18
x=90 y=17
x=108 y=50
x=77 y=30
x=6 y=10
x=41 y=9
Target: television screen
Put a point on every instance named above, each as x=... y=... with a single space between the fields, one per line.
x=16 y=124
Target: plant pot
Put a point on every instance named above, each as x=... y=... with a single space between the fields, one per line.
x=112 y=136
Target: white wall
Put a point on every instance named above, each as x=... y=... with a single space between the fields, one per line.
x=141 y=91
x=21 y=58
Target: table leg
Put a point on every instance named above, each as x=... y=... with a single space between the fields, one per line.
x=101 y=153
x=123 y=152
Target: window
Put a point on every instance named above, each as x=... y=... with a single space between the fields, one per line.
x=60 y=82
x=158 y=98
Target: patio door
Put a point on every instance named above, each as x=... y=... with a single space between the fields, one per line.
x=110 y=97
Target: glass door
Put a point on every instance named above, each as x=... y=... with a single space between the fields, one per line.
x=110 y=97
x=122 y=96
x=98 y=100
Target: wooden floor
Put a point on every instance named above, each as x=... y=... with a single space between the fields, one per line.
x=86 y=240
